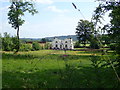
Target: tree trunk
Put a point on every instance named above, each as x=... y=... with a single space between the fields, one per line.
x=18 y=46
x=18 y=43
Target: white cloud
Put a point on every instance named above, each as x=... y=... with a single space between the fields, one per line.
x=55 y=9
x=44 y=1
x=39 y=1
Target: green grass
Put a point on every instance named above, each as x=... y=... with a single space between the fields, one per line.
x=51 y=69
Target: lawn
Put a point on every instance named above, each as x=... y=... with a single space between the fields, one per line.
x=56 y=69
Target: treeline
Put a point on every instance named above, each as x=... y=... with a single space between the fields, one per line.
x=9 y=43
x=101 y=41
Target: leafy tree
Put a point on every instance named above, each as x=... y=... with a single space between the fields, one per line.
x=16 y=11
x=84 y=31
x=113 y=28
x=94 y=44
x=43 y=40
x=105 y=39
x=77 y=44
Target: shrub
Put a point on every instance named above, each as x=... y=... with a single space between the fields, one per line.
x=94 y=45
x=77 y=45
x=25 y=47
x=6 y=42
x=112 y=46
x=35 y=46
x=47 y=46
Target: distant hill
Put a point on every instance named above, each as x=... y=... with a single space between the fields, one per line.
x=74 y=38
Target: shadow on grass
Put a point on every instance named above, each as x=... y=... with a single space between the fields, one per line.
x=10 y=56
x=81 y=77
x=67 y=77
x=16 y=56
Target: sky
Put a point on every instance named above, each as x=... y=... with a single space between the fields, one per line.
x=55 y=18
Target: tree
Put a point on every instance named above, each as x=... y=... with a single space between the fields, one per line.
x=43 y=40
x=105 y=39
x=113 y=28
x=16 y=11
x=84 y=31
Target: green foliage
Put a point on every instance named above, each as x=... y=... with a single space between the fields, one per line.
x=105 y=39
x=47 y=46
x=84 y=31
x=43 y=40
x=118 y=48
x=25 y=47
x=7 y=42
x=35 y=46
x=113 y=28
x=0 y=41
x=77 y=44
x=16 y=11
x=14 y=43
x=112 y=46
x=94 y=44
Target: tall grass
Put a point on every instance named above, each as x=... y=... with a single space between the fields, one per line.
x=54 y=69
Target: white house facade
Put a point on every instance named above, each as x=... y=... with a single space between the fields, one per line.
x=62 y=44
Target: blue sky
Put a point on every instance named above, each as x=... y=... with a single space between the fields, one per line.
x=55 y=18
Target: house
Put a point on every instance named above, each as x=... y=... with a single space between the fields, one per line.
x=62 y=44
x=42 y=44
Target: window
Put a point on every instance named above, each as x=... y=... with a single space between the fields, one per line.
x=65 y=46
x=56 y=42
x=60 y=46
x=65 y=41
x=56 y=46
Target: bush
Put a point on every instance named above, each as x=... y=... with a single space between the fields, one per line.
x=117 y=48
x=35 y=46
x=112 y=46
x=77 y=45
x=25 y=47
x=47 y=46
x=94 y=45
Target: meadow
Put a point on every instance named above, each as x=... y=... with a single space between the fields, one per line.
x=57 y=69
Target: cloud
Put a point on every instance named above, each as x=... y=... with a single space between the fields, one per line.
x=44 y=1
x=39 y=1
x=55 y=9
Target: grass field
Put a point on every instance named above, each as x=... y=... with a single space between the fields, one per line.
x=56 y=69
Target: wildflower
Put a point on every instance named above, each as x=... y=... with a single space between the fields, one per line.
x=65 y=55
